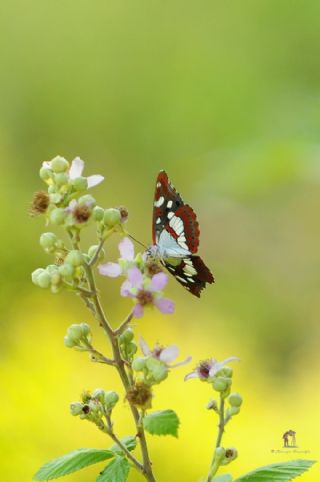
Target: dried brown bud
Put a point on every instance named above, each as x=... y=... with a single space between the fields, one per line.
x=123 y=213
x=81 y=213
x=140 y=396
x=153 y=267
x=40 y=203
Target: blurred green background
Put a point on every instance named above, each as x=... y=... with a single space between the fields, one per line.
x=225 y=97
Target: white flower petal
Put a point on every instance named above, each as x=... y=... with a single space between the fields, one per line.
x=169 y=353
x=76 y=168
x=144 y=347
x=191 y=375
x=94 y=180
x=184 y=362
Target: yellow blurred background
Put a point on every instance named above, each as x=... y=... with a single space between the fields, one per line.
x=225 y=97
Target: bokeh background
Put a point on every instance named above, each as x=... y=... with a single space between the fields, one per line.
x=225 y=97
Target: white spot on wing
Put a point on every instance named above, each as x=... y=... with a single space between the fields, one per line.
x=158 y=221
x=170 y=214
x=159 y=202
x=169 y=204
x=181 y=279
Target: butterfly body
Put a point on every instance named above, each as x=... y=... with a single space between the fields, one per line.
x=176 y=237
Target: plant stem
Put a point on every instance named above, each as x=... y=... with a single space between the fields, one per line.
x=120 y=366
x=215 y=462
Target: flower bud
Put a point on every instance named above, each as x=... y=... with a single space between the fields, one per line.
x=57 y=216
x=230 y=455
x=80 y=184
x=157 y=369
x=126 y=336
x=98 y=213
x=35 y=274
x=45 y=174
x=75 y=258
x=55 y=277
x=111 y=399
x=235 y=399
x=233 y=411
x=44 y=279
x=212 y=405
x=74 y=332
x=224 y=372
x=220 y=384
x=98 y=394
x=61 y=179
x=85 y=329
x=66 y=270
x=69 y=342
x=138 y=364
x=219 y=454
x=55 y=197
x=92 y=251
x=76 y=408
x=131 y=349
x=112 y=217
x=48 y=241
x=88 y=200
x=59 y=164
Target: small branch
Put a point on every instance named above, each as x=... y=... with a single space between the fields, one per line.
x=215 y=463
x=94 y=259
x=131 y=457
x=124 y=324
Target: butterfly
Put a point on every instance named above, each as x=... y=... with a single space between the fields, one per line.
x=175 y=232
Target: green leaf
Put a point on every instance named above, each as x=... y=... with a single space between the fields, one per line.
x=116 y=471
x=162 y=422
x=222 y=478
x=280 y=472
x=129 y=441
x=76 y=460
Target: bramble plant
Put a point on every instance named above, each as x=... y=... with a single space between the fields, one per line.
x=67 y=205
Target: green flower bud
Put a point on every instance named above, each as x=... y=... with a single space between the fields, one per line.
x=66 y=270
x=45 y=173
x=75 y=258
x=219 y=454
x=48 y=241
x=131 y=348
x=220 y=384
x=57 y=216
x=126 y=336
x=44 y=279
x=75 y=332
x=86 y=330
x=69 y=342
x=138 y=364
x=99 y=394
x=61 y=179
x=76 y=408
x=234 y=411
x=80 y=184
x=87 y=199
x=230 y=455
x=235 y=399
x=224 y=372
x=59 y=164
x=98 y=213
x=55 y=277
x=112 y=217
x=35 y=274
x=52 y=189
x=92 y=251
x=111 y=399
x=157 y=369
x=55 y=198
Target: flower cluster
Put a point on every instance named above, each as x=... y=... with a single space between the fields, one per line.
x=145 y=280
x=95 y=406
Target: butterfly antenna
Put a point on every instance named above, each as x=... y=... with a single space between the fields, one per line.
x=137 y=241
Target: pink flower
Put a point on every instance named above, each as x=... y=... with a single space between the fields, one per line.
x=208 y=368
x=113 y=270
x=146 y=291
x=163 y=354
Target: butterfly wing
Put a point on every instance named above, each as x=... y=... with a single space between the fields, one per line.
x=176 y=233
x=192 y=273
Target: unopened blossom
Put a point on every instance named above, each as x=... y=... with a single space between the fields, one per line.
x=75 y=171
x=164 y=354
x=146 y=291
x=113 y=270
x=208 y=368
